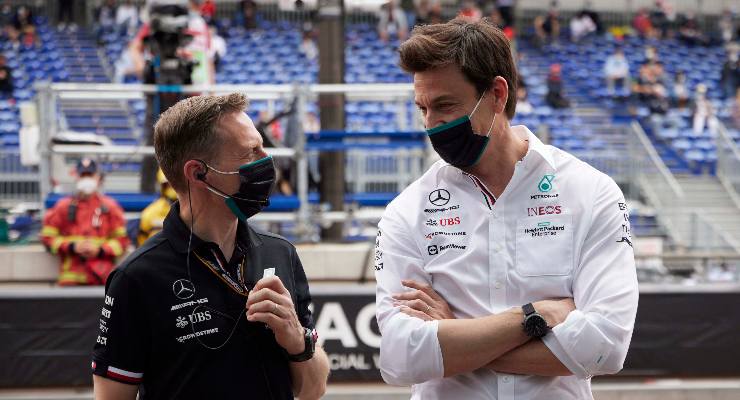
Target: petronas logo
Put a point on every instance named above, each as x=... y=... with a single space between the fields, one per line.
x=545 y=184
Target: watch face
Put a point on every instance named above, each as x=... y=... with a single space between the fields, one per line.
x=535 y=326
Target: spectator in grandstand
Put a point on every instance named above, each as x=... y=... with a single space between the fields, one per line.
x=704 y=113
x=581 y=25
x=495 y=17
x=86 y=230
x=730 y=75
x=459 y=259
x=195 y=300
x=127 y=17
x=506 y=8
x=308 y=46
x=588 y=9
x=6 y=78
x=728 y=26
x=392 y=22
x=617 y=71
x=6 y=16
x=66 y=15
x=662 y=17
x=547 y=27
x=651 y=54
x=247 y=14
x=218 y=47
x=555 y=97
x=154 y=214
x=689 y=31
x=642 y=24
x=24 y=28
x=208 y=10
x=470 y=11
x=523 y=106
x=105 y=19
x=409 y=8
x=680 y=96
x=428 y=12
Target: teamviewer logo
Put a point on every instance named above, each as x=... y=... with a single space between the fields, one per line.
x=433 y=250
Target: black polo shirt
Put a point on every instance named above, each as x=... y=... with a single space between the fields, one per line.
x=166 y=329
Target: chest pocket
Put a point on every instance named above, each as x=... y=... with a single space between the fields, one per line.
x=544 y=245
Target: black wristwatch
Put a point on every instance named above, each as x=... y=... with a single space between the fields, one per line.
x=310 y=337
x=534 y=324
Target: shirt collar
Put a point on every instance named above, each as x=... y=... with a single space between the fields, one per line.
x=535 y=145
x=178 y=234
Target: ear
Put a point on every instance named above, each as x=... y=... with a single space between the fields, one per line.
x=500 y=91
x=195 y=172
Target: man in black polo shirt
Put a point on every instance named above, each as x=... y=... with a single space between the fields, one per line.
x=195 y=313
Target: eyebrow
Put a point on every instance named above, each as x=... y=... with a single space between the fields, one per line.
x=439 y=99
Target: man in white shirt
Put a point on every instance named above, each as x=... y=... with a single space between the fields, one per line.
x=480 y=262
x=616 y=70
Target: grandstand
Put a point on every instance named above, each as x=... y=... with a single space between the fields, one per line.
x=681 y=185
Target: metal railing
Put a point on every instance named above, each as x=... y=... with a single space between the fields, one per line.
x=652 y=177
x=728 y=164
x=387 y=168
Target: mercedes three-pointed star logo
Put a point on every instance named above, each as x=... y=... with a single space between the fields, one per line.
x=183 y=289
x=439 y=197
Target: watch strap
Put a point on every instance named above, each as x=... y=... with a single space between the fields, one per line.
x=528 y=309
x=310 y=336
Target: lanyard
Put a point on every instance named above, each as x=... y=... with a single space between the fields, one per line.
x=237 y=284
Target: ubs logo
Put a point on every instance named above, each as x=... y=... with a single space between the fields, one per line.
x=449 y=221
x=183 y=289
x=439 y=197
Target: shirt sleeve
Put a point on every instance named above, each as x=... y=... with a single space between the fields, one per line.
x=117 y=241
x=409 y=349
x=120 y=351
x=51 y=232
x=302 y=293
x=594 y=338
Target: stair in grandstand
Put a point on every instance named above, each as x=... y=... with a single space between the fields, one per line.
x=705 y=219
x=79 y=52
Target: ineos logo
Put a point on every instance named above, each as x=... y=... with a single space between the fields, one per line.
x=183 y=289
x=439 y=197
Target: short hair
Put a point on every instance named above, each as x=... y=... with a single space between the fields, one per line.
x=189 y=130
x=479 y=49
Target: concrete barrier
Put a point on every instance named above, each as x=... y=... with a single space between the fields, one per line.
x=334 y=262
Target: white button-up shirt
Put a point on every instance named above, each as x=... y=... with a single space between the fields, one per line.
x=559 y=229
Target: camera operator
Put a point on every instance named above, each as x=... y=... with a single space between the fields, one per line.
x=181 y=19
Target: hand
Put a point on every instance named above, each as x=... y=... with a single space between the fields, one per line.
x=554 y=311
x=270 y=302
x=87 y=249
x=424 y=302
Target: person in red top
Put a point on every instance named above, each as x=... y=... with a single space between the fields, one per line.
x=86 y=230
x=208 y=10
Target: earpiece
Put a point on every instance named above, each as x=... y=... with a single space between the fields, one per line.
x=201 y=175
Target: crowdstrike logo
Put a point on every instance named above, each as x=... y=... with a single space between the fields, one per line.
x=430 y=235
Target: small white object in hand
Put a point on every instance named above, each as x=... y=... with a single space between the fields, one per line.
x=268 y=272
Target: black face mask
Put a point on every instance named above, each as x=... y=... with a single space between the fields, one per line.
x=256 y=182
x=456 y=142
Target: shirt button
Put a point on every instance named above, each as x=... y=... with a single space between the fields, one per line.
x=498 y=285
x=496 y=247
x=506 y=379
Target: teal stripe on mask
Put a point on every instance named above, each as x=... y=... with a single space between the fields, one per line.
x=448 y=125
